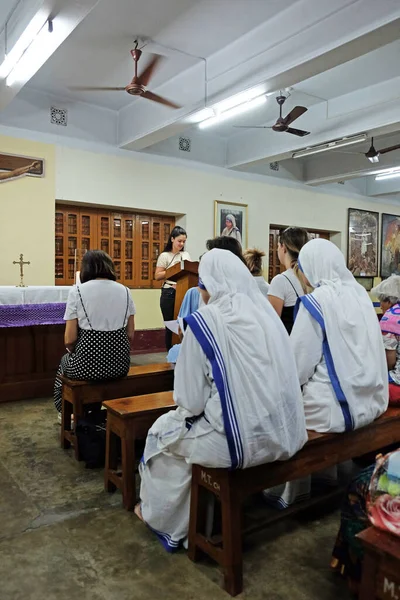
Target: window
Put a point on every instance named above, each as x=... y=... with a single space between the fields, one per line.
x=274 y=266
x=133 y=241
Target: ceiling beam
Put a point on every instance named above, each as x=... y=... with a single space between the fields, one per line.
x=338 y=165
x=374 y=111
x=307 y=38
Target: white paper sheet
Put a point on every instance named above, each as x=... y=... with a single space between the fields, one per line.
x=172 y=326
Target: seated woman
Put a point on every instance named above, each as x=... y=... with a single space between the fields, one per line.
x=287 y=287
x=253 y=258
x=237 y=394
x=224 y=242
x=192 y=299
x=339 y=354
x=388 y=294
x=100 y=324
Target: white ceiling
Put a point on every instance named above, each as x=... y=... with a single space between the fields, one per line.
x=377 y=66
x=97 y=52
x=6 y=8
x=340 y=60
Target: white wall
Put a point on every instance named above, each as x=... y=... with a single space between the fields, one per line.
x=208 y=149
x=145 y=184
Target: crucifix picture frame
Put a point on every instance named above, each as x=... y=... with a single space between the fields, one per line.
x=14 y=166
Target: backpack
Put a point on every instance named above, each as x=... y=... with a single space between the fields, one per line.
x=91 y=438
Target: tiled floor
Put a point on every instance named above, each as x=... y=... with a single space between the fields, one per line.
x=62 y=537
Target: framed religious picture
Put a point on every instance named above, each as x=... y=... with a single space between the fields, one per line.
x=362 y=243
x=390 y=245
x=231 y=219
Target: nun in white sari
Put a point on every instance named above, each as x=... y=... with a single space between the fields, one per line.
x=237 y=394
x=339 y=354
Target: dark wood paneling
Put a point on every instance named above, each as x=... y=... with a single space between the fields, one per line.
x=29 y=360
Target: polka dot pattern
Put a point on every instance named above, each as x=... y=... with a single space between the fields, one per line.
x=98 y=356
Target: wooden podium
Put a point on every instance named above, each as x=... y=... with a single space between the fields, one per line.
x=185 y=275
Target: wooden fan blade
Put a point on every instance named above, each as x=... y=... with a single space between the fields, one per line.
x=96 y=89
x=298 y=132
x=252 y=127
x=294 y=114
x=390 y=149
x=145 y=77
x=159 y=99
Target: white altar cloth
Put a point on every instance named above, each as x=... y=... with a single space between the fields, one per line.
x=34 y=294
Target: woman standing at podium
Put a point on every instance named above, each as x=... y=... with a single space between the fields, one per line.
x=174 y=252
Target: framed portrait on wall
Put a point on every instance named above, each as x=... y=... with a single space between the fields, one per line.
x=230 y=219
x=362 y=243
x=390 y=245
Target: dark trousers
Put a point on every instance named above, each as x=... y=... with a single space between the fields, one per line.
x=167 y=304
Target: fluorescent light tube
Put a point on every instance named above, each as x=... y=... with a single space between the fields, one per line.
x=392 y=174
x=237 y=110
x=32 y=59
x=23 y=42
x=238 y=99
x=346 y=141
x=201 y=115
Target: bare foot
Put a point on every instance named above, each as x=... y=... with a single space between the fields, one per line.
x=138 y=512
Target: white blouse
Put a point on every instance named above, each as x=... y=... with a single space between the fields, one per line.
x=108 y=305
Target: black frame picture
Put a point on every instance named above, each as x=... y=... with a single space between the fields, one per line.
x=362 y=242
x=239 y=212
x=390 y=245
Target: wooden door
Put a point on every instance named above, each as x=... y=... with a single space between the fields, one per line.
x=72 y=245
x=60 y=247
x=116 y=243
x=128 y=258
x=157 y=246
x=143 y=250
x=274 y=266
x=104 y=232
x=87 y=233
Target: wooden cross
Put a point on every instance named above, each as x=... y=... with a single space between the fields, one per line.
x=21 y=264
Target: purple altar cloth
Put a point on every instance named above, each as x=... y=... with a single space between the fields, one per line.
x=24 y=315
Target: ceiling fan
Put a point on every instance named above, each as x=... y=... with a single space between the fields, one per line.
x=139 y=83
x=373 y=154
x=282 y=124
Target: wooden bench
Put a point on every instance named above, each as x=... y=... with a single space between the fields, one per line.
x=232 y=487
x=381 y=565
x=76 y=395
x=129 y=419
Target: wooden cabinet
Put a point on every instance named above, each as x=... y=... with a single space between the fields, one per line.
x=133 y=241
x=274 y=266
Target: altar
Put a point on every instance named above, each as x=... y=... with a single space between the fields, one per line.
x=31 y=339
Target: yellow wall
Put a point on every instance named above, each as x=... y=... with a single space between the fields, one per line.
x=148 y=314
x=27 y=217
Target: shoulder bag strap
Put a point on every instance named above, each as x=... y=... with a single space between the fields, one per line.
x=287 y=278
x=127 y=306
x=83 y=306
